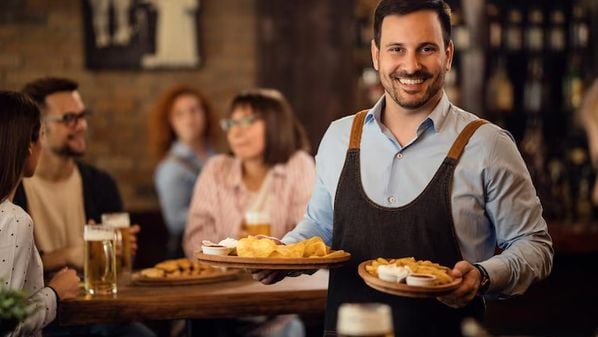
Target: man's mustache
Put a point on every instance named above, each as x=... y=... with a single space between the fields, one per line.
x=415 y=75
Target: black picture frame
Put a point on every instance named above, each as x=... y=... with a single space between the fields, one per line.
x=126 y=34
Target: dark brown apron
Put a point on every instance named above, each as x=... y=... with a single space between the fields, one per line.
x=423 y=229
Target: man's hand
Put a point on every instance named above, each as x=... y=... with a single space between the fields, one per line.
x=65 y=283
x=467 y=290
x=134 y=230
x=269 y=276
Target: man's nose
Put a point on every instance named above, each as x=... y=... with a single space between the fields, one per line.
x=411 y=63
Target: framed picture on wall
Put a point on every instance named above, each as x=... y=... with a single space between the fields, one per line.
x=141 y=34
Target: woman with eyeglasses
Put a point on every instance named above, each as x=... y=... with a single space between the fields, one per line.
x=268 y=172
x=20 y=263
x=181 y=138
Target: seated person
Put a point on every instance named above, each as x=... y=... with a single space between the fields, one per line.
x=268 y=172
x=21 y=266
x=64 y=193
x=181 y=130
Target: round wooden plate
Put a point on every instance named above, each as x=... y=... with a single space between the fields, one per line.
x=305 y=263
x=402 y=289
x=208 y=277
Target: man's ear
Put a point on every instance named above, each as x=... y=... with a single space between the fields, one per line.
x=375 y=54
x=450 y=51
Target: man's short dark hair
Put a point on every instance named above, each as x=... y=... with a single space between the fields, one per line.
x=41 y=88
x=403 y=7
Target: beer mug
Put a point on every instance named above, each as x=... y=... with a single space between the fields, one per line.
x=257 y=223
x=100 y=260
x=364 y=319
x=122 y=226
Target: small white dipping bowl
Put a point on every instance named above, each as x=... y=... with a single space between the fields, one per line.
x=216 y=250
x=421 y=280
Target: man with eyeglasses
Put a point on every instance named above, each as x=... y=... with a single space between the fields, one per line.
x=65 y=193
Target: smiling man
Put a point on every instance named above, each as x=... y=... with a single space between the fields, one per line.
x=64 y=193
x=417 y=176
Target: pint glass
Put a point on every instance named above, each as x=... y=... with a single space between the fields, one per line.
x=122 y=226
x=257 y=223
x=364 y=319
x=100 y=260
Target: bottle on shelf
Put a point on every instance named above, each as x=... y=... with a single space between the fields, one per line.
x=513 y=30
x=533 y=147
x=579 y=29
x=534 y=33
x=495 y=31
x=557 y=35
x=573 y=86
x=535 y=91
x=499 y=93
x=461 y=36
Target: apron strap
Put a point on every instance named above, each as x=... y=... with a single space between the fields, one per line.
x=463 y=138
x=356 y=129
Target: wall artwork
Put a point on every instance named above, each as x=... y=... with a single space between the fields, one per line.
x=141 y=34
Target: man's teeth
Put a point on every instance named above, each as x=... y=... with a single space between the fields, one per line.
x=409 y=81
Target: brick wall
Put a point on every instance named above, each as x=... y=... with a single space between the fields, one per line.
x=40 y=37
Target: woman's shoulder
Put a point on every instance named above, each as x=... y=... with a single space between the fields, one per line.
x=299 y=161
x=219 y=165
x=13 y=218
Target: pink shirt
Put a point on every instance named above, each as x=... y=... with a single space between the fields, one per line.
x=220 y=199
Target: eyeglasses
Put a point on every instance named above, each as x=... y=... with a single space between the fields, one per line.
x=243 y=122
x=69 y=119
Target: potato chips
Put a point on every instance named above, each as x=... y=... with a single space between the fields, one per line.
x=417 y=267
x=263 y=247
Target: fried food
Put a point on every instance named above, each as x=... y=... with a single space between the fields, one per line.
x=442 y=273
x=177 y=268
x=152 y=272
x=263 y=247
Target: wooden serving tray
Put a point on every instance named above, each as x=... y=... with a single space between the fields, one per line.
x=402 y=289
x=304 y=263
x=208 y=277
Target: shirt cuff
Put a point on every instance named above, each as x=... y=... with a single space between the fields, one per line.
x=499 y=279
x=57 y=298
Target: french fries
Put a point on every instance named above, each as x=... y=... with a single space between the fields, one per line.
x=417 y=267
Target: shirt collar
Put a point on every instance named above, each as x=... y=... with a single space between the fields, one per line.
x=436 y=118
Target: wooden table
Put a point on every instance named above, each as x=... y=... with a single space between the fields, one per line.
x=243 y=297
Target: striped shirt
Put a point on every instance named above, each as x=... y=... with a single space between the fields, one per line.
x=220 y=199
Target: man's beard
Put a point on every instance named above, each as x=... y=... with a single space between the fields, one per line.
x=66 y=151
x=431 y=91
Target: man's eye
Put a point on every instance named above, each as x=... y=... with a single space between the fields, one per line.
x=428 y=49
x=69 y=118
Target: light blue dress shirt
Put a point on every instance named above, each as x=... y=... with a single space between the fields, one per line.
x=174 y=179
x=493 y=200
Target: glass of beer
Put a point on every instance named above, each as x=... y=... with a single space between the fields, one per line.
x=100 y=260
x=257 y=223
x=364 y=319
x=122 y=226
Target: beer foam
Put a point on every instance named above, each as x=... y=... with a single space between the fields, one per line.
x=98 y=234
x=116 y=220
x=364 y=319
x=257 y=218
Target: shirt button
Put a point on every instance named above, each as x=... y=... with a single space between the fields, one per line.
x=399 y=155
x=392 y=200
